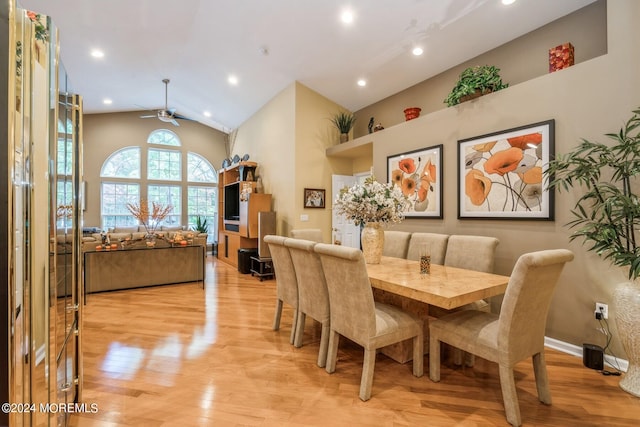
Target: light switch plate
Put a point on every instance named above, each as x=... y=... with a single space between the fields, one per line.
x=304 y=217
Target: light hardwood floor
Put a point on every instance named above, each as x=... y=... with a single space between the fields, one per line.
x=179 y=355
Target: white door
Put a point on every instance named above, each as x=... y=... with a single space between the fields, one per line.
x=347 y=229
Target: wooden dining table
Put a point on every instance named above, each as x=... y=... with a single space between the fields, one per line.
x=445 y=287
x=398 y=281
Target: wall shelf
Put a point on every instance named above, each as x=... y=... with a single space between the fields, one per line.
x=359 y=147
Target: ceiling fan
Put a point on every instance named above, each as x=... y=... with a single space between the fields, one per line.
x=167 y=115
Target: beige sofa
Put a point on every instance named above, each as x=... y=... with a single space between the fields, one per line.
x=136 y=233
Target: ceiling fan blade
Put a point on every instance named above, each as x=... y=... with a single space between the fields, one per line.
x=148 y=117
x=181 y=117
x=173 y=121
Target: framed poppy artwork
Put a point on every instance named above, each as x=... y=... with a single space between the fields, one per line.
x=500 y=175
x=419 y=174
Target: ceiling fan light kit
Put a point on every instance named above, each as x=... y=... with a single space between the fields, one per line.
x=168 y=115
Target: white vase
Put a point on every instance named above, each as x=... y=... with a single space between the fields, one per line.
x=372 y=239
x=626 y=299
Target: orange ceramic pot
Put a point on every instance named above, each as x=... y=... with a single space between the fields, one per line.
x=412 y=113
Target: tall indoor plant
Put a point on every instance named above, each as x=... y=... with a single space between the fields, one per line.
x=474 y=82
x=343 y=122
x=607 y=217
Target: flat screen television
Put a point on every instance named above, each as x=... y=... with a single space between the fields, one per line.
x=232 y=202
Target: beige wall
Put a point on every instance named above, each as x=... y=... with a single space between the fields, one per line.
x=586 y=100
x=288 y=138
x=520 y=60
x=105 y=133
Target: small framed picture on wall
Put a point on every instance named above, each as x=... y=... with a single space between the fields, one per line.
x=314 y=198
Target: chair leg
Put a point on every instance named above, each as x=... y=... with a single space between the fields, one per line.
x=469 y=359
x=278 y=315
x=434 y=358
x=458 y=356
x=293 y=326
x=332 y=351
x=366 y=383
x=297 y=342
x=418 y=355
x=542 y=380
x=324 y=345
x=509 y=395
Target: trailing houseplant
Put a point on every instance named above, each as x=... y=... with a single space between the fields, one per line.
x=343 y=122
x=475 y=81
x=606 y=217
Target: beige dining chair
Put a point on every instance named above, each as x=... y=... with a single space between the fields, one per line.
x=396 y=243
x=513 y=335
x=471 y=253
x=313 y=234
x=437 y=244
x=286 y=281
x=313 y=297
x=356 y=316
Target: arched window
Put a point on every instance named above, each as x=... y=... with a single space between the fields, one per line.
x=165 y=182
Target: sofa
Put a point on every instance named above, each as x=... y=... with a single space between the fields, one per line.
x=137 y=233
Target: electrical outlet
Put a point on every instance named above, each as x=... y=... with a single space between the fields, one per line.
x=602 y=308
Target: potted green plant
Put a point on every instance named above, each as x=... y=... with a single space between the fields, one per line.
x=343 y=122
x=201 y=225
x=607 y=217
x=474 y=82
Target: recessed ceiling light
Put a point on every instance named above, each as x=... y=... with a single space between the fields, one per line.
x=508 y=2
x=97 y=53
x=417 y=51
x=107 y=101
x=207 y=114
x=347 y=17
x=362 y=82
x=233 y=80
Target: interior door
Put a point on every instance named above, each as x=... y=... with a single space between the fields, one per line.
x=348 y=233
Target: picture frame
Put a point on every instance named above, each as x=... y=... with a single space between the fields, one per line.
x=501 y=174
x=314 y=198
x=419 y=174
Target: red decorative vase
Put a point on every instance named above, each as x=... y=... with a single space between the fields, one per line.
x=411 y=113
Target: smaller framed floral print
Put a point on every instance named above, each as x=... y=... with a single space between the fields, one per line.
x=419 y=174
x=314 y=198
x=501 y=175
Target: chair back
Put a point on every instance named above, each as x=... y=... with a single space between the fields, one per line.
x=286 y=282
x=350 y=294
x=396 y=243
x=313 y=234
x=471 y=252
x=437 y=243
x=313 y=297
x=526 y=302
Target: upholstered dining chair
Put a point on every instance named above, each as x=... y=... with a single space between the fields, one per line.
x=356 y=316
x=471 y=253
x=313 y=297
x=436 y=242
x=286 y=281
x=396 y=243
x=513 y=335
x=313 y=234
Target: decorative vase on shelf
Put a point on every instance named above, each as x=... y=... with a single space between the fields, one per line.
x=372 y=238
x=344 y=137
x=626 y=299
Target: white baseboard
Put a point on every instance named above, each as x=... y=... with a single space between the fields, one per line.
x=575 y=350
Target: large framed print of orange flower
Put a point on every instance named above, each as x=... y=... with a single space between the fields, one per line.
x=419 y=174
x=500 y=175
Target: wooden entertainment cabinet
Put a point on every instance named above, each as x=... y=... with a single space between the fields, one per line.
x=238 y=207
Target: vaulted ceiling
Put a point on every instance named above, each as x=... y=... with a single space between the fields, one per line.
x=268 y=44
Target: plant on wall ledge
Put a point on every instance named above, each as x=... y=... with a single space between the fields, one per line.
x=343 y=122
x=474 y=82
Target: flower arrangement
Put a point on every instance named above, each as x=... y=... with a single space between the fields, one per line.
x=42 y=33
x=150 y=219
x=372 y=202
